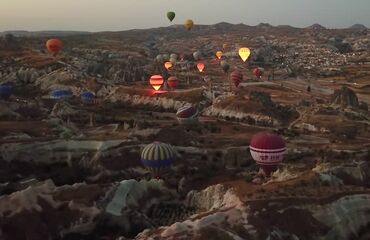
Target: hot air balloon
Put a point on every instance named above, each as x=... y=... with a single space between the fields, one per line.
x=258 y=72
x=224 y=46
x=244 y=53
x=236 y=77
x=172 y=82
x=166 y=57
x=174 y=56
x=225 y=66
x=188 y=24
x=187 y=115
x=61 y=94
x=219 y=54
x=168 y=65
x=156 y=81
x=201 y=67
x=88 y=98
x=159 y=58
x=173 y=61
x=54 y=46
x=158 y=157
x=171 y=15
x=267 y=149
x=197 y=55
x=5 y=91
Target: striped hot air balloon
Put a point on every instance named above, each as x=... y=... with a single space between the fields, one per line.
x=172 y=82
x=158 y=157
x=61 y=94
x=156 y=81
x=187 y=114
x=88 y=98
x=236 y=77
x=267 y=149
x=5 y=91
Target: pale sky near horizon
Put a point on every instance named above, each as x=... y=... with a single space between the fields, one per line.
x=115 y=15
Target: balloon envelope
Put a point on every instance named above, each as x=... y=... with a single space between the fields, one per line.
x=236 y=77
x=166 y=57
x=168 y=65
x=54 y=46
x=258 y=72
x=159 y=58
x=219 y=54
x=244 y=53
x=156 y=81
x=197 y=55
x=268 y=150
x=187 y=114
x=173 y=61
x=171 y=15
x=188 y=24
x=201 y=67
x=158 y=156
x=88 y=97
x=174 y=56
x=226 y=68
x=172 y=82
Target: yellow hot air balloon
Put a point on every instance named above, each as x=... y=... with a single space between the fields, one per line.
x=244 y=53
x=168 y=65
x=188 y=24
x=219 y=54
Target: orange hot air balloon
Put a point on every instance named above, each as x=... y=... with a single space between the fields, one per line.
x=219 y=54
x=54 y=46
x=201 y=67
x=168 y=65
x=188 y=24
x=244 y=53
x=156 y=81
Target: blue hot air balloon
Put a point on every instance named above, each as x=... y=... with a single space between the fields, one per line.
x=88 y=97
x=5 y=91
x=158 y=157
x=61 y=94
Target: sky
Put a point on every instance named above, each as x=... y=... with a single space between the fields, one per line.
x=115 y=15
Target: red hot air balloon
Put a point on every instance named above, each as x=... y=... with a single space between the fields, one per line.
x=258 y=72
x=236 y=77
x=156 y=81
x=54 y=46
x=267 y=149
x=172 y=82
x=187 y=115
x=201 y=67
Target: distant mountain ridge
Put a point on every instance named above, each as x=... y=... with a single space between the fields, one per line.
x=221 y=26
x=20 y=33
